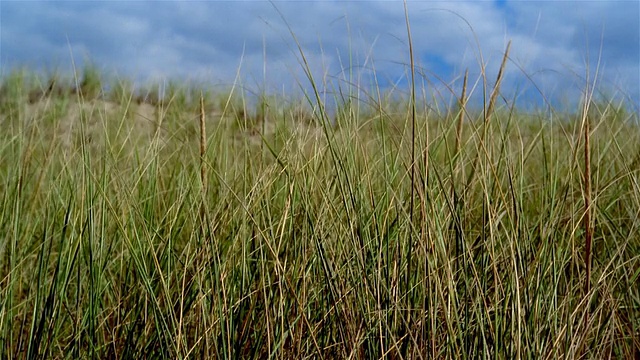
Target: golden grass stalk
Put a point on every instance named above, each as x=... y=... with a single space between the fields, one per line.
x=203 y=152
x=203 y=145
x=588 y=230
x=463 y=103
x=587 y=203
x=496 y=88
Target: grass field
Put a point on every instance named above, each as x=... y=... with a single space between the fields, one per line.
x=141 y=226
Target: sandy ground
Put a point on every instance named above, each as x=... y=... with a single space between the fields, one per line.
x=136 y=125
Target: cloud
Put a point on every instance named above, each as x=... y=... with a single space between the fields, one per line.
x=209 y=41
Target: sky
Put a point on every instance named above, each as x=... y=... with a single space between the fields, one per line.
x=556 y=45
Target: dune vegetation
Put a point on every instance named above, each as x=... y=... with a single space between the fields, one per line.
x=192 y=224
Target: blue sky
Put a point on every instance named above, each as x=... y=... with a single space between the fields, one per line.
x=213 y=41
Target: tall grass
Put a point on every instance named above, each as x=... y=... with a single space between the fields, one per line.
x=183 y=230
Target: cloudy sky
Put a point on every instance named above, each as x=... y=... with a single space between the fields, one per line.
x=357 y=42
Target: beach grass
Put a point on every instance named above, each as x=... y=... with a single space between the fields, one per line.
x=197 y=225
